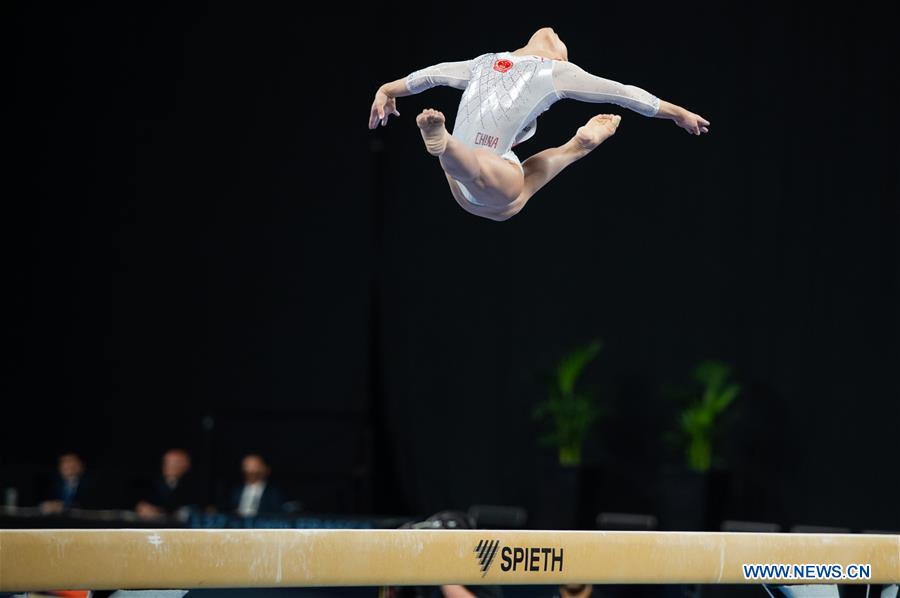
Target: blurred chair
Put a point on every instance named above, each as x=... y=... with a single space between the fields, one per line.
x=627 y=521
x=498 y=517
x=733 y=525
x=818 y=529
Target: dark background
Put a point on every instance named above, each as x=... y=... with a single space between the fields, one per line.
x=208 y=248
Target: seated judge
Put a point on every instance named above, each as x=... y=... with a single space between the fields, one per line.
x=257 y=495
x=72 y=486
x=174 y=490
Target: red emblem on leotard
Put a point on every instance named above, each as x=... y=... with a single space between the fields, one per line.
x=502 y=65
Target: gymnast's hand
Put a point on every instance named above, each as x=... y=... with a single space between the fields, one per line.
x=692 y=123
x=383 y=106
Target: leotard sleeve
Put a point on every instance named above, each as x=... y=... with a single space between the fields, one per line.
x=452 y=74
x=575 y=83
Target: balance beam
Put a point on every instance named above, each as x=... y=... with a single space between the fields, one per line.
x=187 y=559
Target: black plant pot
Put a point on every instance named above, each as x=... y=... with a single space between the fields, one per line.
x=558 y=494
x=692 y=501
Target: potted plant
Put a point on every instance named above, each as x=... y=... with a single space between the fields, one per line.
x=698 y=483
x=569 y=413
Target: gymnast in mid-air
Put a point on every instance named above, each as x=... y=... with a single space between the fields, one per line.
x=504 y=93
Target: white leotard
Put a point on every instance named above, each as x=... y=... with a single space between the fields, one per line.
x=503 y=94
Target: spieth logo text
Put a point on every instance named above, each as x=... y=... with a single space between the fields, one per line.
x=518 y=558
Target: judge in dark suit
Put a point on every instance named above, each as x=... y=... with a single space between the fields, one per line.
x=72 y=487
x=256 y=496
x=174 y=490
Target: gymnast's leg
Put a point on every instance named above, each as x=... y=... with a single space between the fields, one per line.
x=496 y=179
x=543 y=166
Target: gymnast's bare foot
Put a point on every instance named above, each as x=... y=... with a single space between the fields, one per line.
x=435 y=135
x=597 y=130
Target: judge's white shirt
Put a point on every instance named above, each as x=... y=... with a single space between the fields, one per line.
x=250 y=497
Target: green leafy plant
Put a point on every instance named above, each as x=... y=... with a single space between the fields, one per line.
x=699 y=416
x=570 y=412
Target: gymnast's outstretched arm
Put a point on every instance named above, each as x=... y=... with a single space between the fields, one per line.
x=573 y=82
x=453 y=74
